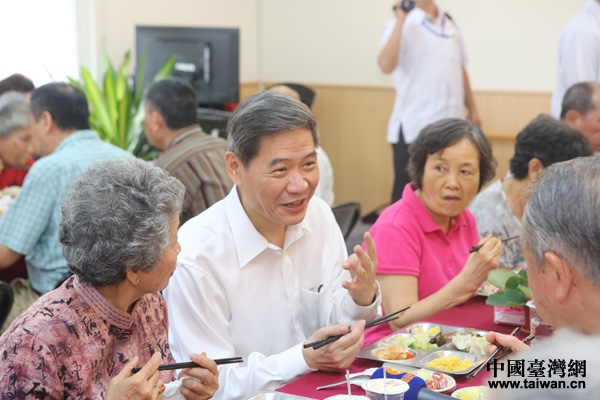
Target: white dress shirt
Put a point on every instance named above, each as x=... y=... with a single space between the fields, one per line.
x=235 y=294
x=578 y=53
x=324 y=189
x=429 y=76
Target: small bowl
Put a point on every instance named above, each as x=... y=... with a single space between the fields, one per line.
x=345 y=397
x=394 y=389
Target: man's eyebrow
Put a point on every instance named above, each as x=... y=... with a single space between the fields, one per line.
x=278 y=160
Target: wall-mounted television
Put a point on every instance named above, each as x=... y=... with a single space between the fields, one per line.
x=207 y=58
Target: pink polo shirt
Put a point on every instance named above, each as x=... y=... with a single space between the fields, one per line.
x=408 y=242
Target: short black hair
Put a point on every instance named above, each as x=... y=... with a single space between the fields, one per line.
x=66 y=104
x=16 y=83
x=175 y=100
x=550 y=141
x=440 y=135
x=579 y=98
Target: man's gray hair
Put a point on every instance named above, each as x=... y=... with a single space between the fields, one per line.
x=562 y=215
x=118 y=215
x=14 y=113
x=266 y=114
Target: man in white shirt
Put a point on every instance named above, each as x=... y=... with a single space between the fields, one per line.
x=265 y=269
x=561 y=226
x=581 y=110
x=424 y=51
x=578 y=52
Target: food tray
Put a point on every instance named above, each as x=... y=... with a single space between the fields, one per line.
x=272 y=395
x=419 y=355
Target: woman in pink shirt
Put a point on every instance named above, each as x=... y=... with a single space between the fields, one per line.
x=423 y=240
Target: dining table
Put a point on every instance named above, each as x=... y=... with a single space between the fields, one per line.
x=474 y=313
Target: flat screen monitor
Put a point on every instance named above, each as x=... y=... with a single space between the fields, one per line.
x=207 y=58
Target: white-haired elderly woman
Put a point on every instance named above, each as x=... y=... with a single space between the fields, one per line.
x=16 y=142
x=119 y=236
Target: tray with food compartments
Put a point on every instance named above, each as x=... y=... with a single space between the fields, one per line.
x=449 y=349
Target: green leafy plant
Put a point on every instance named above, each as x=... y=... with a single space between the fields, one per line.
x=515 y=288
x=117 y=110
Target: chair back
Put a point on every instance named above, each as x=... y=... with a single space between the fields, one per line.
x=6 y=301
x=347 y=215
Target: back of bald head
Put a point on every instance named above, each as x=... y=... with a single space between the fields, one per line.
x=581 y=98
x=286 y=91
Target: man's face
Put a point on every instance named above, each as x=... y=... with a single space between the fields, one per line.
x=544 y=303
x=589 y=124
x=150 y=126
x=278 y=182
x=38 y=132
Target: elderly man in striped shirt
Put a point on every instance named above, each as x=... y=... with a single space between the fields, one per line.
x=194 y=157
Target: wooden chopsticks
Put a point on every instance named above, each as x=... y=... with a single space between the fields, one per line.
x=191 y=364
x=317 y=344
x=475 y=248
x=474 y=373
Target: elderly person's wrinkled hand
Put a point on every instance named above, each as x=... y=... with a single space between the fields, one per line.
x=201 y=382
x=481 y=262
x=144 y=385
x=508 y=341
x=363 y=268
x=338 y=355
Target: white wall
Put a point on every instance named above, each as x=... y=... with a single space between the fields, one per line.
x=511 y=43
x=38 y=39
x=116 y=21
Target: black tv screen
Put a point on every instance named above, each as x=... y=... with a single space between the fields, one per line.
x=207 y=58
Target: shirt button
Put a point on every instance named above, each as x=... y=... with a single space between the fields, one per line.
x=292 y=292
x=298 y=328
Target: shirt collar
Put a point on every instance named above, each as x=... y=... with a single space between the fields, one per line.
x=249 y=243
x=593 y=6
x=185 y=135
x=111 y=314
x=426 y=222
x=77 y=136
x=423 y=16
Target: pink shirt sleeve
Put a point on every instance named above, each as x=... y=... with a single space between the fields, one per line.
x=399 y=248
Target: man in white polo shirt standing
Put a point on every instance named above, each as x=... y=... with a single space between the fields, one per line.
x=578 y=53
x=424 y=51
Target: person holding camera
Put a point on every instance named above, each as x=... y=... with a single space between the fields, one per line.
x=424 y=51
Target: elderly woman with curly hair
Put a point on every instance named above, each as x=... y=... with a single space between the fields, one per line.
x=119 y=236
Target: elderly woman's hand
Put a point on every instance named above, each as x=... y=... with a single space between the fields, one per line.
x=144 y=385
x=480 y=263
x=202 y=382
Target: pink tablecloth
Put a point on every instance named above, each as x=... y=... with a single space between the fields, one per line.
x=473 y=314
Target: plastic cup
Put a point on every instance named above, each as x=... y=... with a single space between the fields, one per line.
x=394 y=389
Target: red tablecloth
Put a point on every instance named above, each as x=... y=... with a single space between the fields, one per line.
x=473 y=314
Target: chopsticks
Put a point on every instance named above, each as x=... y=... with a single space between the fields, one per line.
x=317 y=344
x=477 y=247
x=191 y=364
x=508 y=351
x=474 y=373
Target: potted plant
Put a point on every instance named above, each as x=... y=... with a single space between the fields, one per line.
x=117 y=110
x=515 y=291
